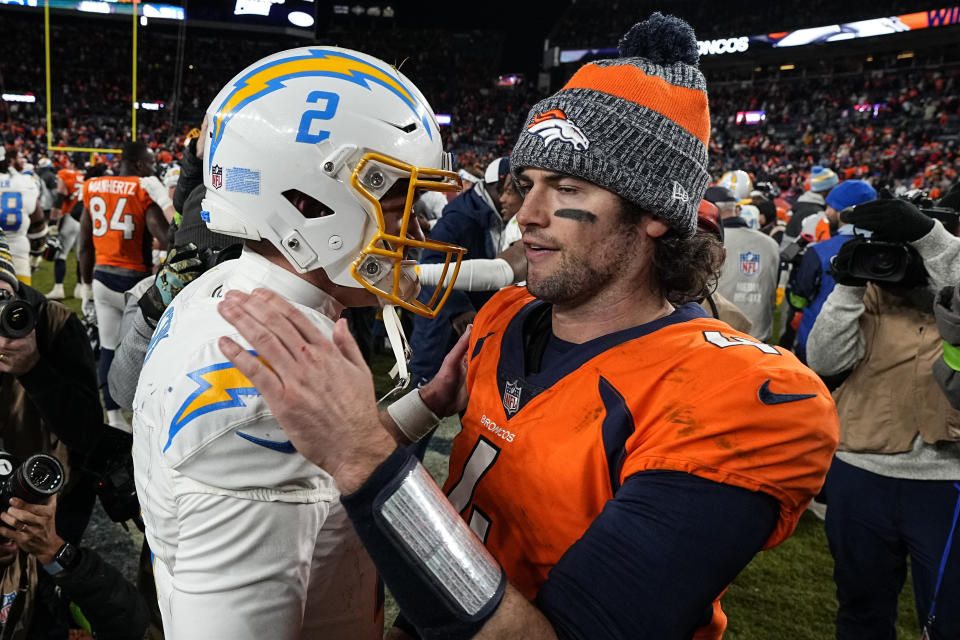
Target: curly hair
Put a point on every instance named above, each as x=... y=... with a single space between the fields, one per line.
x=686 y=269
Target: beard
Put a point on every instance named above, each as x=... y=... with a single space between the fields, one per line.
x=580 y=276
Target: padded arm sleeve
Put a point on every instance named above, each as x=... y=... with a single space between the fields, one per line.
x=475 y=275
x=656 y=557
x=157 y=192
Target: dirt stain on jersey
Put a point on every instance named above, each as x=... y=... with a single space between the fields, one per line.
x=683 y=414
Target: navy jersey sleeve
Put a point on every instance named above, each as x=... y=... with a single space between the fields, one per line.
x=656 y=557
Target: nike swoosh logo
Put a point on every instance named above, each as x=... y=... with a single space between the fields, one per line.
x=769 y=397
x=283 y=447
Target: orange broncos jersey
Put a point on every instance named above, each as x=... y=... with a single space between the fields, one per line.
x=540 y=454
x=117 y=207
x=73 y=180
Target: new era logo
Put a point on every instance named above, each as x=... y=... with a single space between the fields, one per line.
x=679 y=193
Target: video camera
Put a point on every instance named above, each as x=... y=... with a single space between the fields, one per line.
x=882 y=261
x=34 y=481
x=17 y=317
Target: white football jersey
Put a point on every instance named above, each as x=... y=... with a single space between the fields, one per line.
x=247 y=534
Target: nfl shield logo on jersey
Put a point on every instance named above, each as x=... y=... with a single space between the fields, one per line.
x=511 y=398
x=216 y=174
x=749 y=263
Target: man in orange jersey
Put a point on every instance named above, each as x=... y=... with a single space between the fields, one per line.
x=69 y=199
x=622 y=456
x=121 y=216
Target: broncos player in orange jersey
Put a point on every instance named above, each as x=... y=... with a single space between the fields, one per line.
x=121 y=215
x=622 y=456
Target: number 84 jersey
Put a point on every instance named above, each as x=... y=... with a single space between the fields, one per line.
x=541 y=453
x=117 y=206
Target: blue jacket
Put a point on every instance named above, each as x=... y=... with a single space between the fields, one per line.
x=812 y=283
x=466 y=221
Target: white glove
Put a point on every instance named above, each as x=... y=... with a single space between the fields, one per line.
x=83 y=292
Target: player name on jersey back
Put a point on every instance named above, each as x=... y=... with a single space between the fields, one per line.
x=123 y=187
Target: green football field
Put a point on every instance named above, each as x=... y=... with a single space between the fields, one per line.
x=786 y=593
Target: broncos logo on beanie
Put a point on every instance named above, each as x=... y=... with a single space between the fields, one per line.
x=554 y=126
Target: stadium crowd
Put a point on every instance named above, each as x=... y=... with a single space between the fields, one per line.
x=910 y=139
x=775 y=247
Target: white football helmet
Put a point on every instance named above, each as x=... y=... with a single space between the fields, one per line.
x=739 y=182
x=303 y=145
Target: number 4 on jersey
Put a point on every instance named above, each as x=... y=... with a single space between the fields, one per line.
x=719 y=340
x=118 y=221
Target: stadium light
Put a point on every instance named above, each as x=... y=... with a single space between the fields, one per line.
x=904 y=55
x=94 y=7
x=300 y=19
x=787 y=67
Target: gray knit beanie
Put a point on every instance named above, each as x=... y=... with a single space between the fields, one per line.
x=637 y=125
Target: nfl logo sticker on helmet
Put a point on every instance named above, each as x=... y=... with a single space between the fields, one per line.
x=553 y=126
x=216 y=176
x=511 y=397
x=749 y=263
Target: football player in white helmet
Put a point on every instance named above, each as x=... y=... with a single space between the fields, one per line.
x=314 y=157
x=739 y=182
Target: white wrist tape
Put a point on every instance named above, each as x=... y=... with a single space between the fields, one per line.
x=475 y=275
x=413 y=416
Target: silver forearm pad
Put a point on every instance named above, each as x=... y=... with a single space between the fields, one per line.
x=440 y=542
x=446 y=583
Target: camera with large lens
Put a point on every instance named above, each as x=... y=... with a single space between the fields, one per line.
x=17 y=317
x=881 y=261
x=39 y=477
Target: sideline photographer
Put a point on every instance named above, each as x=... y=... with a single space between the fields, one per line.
x=48 y=389
x=51 y=588
x=892 y=490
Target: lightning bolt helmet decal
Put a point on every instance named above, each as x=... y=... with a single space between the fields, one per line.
x=270 y=76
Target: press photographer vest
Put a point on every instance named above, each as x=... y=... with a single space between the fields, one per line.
x=891 y=395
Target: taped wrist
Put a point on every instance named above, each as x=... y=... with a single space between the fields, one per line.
x=444 y=580
x=413 y=416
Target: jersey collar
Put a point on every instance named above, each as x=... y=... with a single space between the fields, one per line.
x=253 y=271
